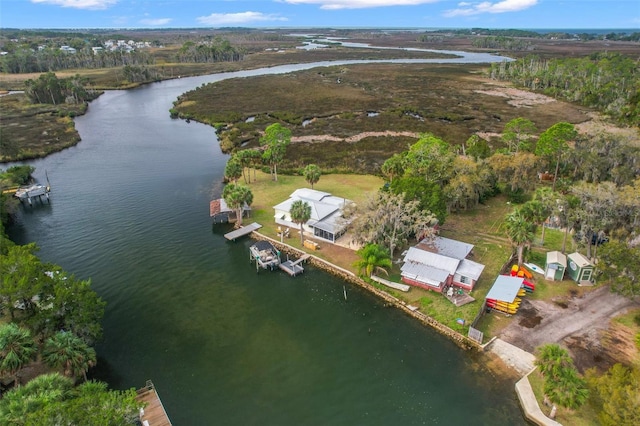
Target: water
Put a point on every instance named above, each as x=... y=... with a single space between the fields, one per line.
x=224 y=345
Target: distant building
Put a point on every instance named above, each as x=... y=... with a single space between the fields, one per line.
x=68 y=49
x=435 y=263
x=326 y=220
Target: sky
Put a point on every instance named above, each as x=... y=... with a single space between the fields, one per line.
x=521 y=14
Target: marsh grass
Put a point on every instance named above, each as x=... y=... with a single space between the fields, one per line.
x=416 y=98
x=35 y=130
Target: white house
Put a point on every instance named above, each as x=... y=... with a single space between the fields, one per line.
x=326 y=220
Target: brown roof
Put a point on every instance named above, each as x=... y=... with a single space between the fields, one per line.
x=214 y=207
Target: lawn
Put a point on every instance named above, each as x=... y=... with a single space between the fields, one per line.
x=267 y=193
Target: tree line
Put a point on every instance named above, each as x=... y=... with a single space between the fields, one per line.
x=49 y=89
x=561 y=35
x=501 y=42
x=51 y=320
x=30 y=60
x=609 y=82
x=53 y=59
x=217 y=50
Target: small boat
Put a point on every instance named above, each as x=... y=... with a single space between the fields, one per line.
x=265 y=255
x=534 y=268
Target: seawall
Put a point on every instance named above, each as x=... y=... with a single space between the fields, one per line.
x=459 y=339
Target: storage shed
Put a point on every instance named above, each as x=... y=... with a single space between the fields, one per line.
x=579 y=268
x=555 y=266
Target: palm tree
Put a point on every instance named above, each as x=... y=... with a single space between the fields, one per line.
x=17 y=348
x=233 y=170
x=520 y=231
x=66 y=351
x=300 y=213
x=548 y=198
x=236 y=196
x=568 y=389
x=552 y=359
x=312 y=174
x=393 y=167
x=535 y=212
x=373 y=258
x=19 y=402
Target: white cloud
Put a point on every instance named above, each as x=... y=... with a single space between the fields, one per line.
x=80 y=4
x=359 y=4
x=241 y=18
x=467 y=9
x=155 y=22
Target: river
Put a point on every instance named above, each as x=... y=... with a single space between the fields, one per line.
x=224 y=345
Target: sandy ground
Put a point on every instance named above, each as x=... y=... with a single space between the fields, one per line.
x=352 y=139
x=581 y=324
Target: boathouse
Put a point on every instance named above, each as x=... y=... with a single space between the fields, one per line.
x=222 y=213
x=326 y=222
x=579 y=268
x=555 y=266
x=438 y=262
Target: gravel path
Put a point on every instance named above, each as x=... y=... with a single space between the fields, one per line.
x=538 y=323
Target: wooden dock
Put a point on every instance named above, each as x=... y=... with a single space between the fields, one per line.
x=153 y=414
x=397 y=286
x=294 y=268
x=241 y=232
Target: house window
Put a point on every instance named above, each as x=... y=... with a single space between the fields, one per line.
x=465 y=280
x=323 y=234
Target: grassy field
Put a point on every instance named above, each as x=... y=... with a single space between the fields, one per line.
x=268 y=193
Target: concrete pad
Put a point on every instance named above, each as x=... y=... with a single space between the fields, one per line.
x=520 y=360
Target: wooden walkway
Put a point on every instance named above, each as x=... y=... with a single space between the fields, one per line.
x=241 y=232
x=397 y=286
x=153 y=413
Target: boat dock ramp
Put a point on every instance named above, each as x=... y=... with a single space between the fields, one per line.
x=153 y=414
x=241 y=232
x=294 y=268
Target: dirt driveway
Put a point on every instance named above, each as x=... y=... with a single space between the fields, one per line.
x=581 y=324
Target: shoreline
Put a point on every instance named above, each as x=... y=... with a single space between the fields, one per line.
x=459 y=339
x=519 y=362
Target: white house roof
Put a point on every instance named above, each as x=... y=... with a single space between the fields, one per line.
x=434 y=260
x=422 y=272
x=557 y=257
x=325 y=208
x=469 y=268
x=579 y=260
x=446 y=247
